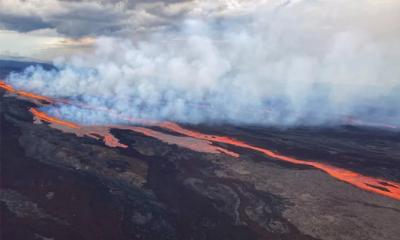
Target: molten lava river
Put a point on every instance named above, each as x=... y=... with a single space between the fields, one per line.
x=193 y=140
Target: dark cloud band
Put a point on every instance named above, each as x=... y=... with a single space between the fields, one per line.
x=78 y=18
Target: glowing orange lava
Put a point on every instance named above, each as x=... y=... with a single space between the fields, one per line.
x=111 y=141
x=44 y=117
x=10 y=89
x=202 y=142
x=198 y=145
x=103 y=132
x=380 y=186
x=96 y=132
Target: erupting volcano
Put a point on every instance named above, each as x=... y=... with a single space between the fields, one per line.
x=253 y=182
x=200 y=120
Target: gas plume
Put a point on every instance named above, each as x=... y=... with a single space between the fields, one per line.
x=304 y=63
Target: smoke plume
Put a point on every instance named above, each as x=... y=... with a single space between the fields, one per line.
x=299 y=63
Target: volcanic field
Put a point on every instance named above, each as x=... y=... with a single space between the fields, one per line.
x=148 y=179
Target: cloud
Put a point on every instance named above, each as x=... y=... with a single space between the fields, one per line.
x=19 y=23
x=308 y=63
x=79 y=18
x=74 y=19
x=88 y=18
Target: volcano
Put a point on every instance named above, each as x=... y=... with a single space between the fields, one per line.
x=149 y=179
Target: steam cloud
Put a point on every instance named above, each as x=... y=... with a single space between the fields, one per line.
x=310 y=63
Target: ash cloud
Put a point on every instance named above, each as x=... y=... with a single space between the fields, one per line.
x=300 y=63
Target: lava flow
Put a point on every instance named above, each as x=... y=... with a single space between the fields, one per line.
x=203 y=144
x=195 y=144
x=89 y=131
x=44 y=117
x=383 y=187
x=10 y=89
x=103 y=132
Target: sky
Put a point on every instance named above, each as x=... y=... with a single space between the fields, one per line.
x=45 y=29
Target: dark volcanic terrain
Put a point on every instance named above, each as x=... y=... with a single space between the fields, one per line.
x=56 y=185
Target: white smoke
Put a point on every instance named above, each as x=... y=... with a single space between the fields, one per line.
x=308 y=63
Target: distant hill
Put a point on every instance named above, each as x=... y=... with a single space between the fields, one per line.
x=8 y=66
